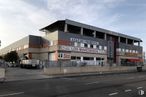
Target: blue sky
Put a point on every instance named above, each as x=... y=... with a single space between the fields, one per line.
x=19 y=18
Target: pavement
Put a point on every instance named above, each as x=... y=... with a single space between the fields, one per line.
x=111 y=85
x=17 y=74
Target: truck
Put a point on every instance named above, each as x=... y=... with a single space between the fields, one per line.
x=30 y=63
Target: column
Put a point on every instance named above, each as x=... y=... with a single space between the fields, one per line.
x=81 y=31
x=66 y=28
x=126 y=41
x=94 y=33
x=95 y=61
x=81 y=58
x=105 y=35
x=138 y=43
x=119 y=39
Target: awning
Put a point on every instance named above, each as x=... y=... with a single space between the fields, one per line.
x=135 y=60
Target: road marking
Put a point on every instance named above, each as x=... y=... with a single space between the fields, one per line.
x=128 y=90
x=139 y=87
x=111 y=94
x=68 y=78
x=92 y=83
x=5 y=95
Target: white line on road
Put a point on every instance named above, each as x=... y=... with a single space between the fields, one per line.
x=128 y=90
x=111 y=94
x=139 y=87
x=92 y=83
x=5 y=95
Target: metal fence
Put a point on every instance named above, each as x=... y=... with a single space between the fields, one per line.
x=48 y=64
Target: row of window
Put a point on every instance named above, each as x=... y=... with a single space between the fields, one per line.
x=127 y=50
x=19 y=48
x=86 y=58
x=77 y=44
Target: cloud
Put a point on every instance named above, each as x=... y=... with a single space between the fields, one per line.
x=20 y=18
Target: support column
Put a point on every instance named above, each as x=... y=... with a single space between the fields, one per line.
x=126 y=41
x=66 y=28
x=82 y=59
x=81 y=31
x=94 y=33
x=95 y=61
x=132 y=42
x=138 y=43
x=119 y=39
x=105 y=35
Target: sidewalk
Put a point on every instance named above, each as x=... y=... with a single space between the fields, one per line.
x=17 y=74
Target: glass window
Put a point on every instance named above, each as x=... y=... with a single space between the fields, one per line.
x=100 y=47
x=88 y=45
x=94 y=46
x=123 y=50
x=51 y=43
x=105 y=48
x=73 y=57
x=75 y=44
x=91 y=45
x=85 y=45
x=82 y=44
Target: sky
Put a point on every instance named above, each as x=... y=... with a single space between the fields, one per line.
x=20 y=18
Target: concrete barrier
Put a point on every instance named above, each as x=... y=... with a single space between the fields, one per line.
x=87 y=69
x=2 y=74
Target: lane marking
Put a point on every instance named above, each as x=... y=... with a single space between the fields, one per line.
x=92 y=83
x=111 y=94
x=128 y=90
x=68 y=78
x=139 y=87
x=5 y=95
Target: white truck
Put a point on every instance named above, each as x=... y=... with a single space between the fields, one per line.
x=30 y=63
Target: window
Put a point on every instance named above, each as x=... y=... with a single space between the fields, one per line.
x=94 y=46
x=25 y=46
x=100 y=47
x=127 y=50
x=88 y=45
x=51 y=43
x=85 y=45
x=123 y=50
x=60 y=55
x=73 y=58
x=91 y=45
x=97 y=46
x=105 y=48
x=82 y=44
x=75 y=44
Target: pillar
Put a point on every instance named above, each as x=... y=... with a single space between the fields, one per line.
x=138 y=43
x=119 y=39
x=105 y=35
x=94 y=33
x=65 y=28
x=81 y=31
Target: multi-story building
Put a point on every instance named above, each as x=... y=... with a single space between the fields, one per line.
x=70 y=40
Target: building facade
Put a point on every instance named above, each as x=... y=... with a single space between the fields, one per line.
x=68 y=40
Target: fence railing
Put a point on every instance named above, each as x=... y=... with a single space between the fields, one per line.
x=48 y=64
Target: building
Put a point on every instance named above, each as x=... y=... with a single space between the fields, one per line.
x=74 y=41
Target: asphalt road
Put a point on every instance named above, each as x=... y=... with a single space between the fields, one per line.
x=114 y=85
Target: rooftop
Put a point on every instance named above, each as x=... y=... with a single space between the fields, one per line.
x=61 y=23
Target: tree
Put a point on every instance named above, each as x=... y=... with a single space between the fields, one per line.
x=11 y=57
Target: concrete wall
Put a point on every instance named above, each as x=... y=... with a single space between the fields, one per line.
x=90 y=69
x=2 y=73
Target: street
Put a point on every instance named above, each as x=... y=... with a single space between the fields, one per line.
x=109 y=85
